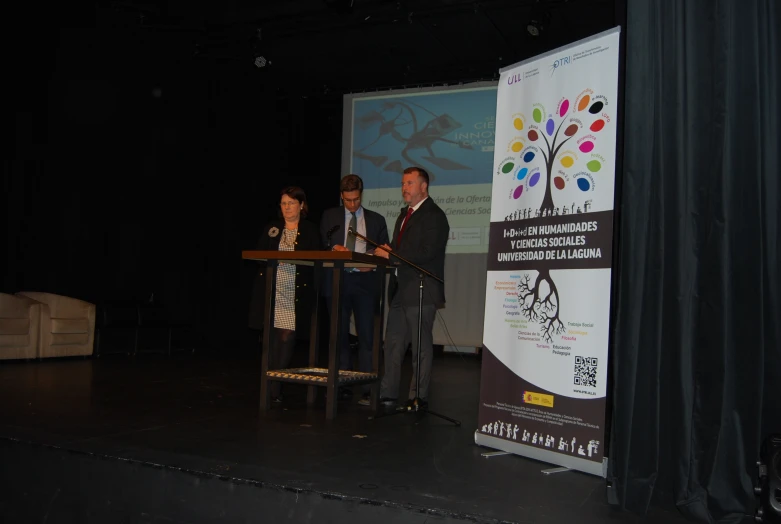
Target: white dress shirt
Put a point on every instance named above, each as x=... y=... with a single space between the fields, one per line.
x=360 y=244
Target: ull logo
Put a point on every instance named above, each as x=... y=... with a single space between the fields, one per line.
x=559 y=62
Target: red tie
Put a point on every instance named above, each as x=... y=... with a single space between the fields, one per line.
x=403 y=225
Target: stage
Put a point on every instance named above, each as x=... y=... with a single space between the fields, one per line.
x=179 y=439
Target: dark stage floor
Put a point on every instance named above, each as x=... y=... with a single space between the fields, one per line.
x=197 y=415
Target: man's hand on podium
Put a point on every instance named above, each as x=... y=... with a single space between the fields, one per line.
x=361 y=269
x=383 y=251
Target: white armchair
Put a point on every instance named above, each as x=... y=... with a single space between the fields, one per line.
x=20 y=324
x=67 y=325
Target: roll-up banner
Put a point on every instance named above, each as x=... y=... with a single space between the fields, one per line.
x=547 y=308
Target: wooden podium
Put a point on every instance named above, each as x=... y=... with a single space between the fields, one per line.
x=331 y=378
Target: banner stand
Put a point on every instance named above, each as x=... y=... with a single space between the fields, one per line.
x=586 y=466
x=546 y=327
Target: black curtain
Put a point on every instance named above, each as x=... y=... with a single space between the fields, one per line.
x=697 y=352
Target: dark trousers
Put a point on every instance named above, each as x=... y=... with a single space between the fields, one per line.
x=362 y=306
x=283 y=341
x=402 y=330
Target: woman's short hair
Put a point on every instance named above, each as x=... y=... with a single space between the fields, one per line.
x=296 y=193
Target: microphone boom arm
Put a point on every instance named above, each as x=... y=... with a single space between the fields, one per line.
x=419 y=269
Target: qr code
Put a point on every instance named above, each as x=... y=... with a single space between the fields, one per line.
x=586 y=371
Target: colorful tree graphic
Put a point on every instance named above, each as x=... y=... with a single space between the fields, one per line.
x=541 y=303
x=544 y=158
x=554 y=145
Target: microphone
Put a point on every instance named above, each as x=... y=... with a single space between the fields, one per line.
x=422 y=271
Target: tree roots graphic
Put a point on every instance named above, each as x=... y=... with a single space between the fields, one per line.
x=537 y=306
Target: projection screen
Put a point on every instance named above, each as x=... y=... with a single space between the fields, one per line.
x=448 y=131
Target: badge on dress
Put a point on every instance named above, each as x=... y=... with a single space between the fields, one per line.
x=273 y=232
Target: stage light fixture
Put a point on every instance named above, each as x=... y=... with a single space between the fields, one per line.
x=258 y=47
x=539 y=20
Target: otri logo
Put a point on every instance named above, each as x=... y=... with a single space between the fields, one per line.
x=559 y=62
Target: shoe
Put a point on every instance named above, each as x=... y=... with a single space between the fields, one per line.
x=410 y=405
x=345 y=394
x=388 y=401
x=276 y=400
x=366 y=400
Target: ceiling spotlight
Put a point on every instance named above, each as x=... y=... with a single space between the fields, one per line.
x=538 y=21
x=261 y=61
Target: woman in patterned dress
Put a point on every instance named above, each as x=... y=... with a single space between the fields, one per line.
x=292 y=232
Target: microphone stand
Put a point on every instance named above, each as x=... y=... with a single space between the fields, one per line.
x=417 y=403
x=330 y=233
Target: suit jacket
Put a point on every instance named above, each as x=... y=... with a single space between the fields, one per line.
x=423 y=243
x=308 y=240
x=376 y=229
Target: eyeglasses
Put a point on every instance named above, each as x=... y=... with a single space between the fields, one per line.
x=351 y=200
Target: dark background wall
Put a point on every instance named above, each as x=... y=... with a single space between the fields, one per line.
x=148 y=149
x=141 y=168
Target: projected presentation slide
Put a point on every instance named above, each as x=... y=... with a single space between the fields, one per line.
x=447 y=131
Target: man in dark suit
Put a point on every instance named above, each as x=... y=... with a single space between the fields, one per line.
x=419 y=236
x=360 y=290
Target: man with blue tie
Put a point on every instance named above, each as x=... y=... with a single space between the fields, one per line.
x=360 y=290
